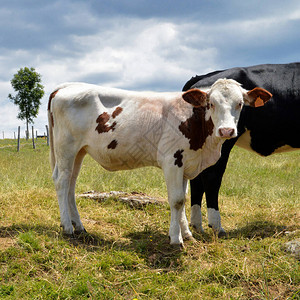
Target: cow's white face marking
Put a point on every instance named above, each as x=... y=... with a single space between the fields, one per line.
x=226 y=99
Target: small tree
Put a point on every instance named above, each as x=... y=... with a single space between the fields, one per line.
x=27 y=84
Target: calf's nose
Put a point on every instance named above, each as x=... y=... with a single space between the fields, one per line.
x=226 y=132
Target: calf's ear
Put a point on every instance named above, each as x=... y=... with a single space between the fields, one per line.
x=257 y=97
x=195 y=97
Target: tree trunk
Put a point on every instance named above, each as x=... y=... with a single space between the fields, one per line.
x=27 y=130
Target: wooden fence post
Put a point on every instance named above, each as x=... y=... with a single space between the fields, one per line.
x=47 y=130
x=33 y=144
x=18 y=147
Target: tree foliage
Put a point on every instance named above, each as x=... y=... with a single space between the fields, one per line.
x=27 y=83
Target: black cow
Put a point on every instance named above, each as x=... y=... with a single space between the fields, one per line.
x=272 y=128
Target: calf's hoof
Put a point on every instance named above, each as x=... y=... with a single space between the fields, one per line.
x=177 y=247
x=67 y=231
x=79 y=232
x=189 y=238
x=197 y=227
x=69 y=236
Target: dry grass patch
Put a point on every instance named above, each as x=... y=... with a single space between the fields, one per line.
x=126 y=252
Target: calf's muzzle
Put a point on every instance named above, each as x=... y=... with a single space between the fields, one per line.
x=226 y=132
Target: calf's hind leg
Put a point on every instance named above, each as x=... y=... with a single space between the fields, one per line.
x=74 y=214
x=62 y=175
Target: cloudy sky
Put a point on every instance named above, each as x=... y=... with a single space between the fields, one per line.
x=138 y=44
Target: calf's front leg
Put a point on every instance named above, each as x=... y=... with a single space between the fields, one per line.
x=176 y=186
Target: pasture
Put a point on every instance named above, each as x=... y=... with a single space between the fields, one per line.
x=126 y=253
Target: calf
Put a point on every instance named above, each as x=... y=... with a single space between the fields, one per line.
x=181 y=133
x=270 y=129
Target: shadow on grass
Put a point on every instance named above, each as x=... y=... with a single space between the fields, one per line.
x=151 y=245
x=258 y=229
x=90 y=242
x=154 y=247
x=15 y=229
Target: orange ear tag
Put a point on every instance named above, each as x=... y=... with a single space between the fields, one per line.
x=259 y=102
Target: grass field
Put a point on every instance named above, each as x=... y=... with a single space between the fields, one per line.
x=126 y=254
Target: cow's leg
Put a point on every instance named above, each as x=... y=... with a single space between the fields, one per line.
x=211 y=180
x=74 y=214
x=197 y=192
x=176 y=198
x=184 y=224
x=62 y=174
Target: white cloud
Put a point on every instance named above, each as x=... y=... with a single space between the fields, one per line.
x=295 y=15
x=9 y=123
x=134 y=52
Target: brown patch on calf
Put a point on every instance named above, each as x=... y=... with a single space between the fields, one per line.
x=179 y=157
x=113 y=126
x=102 y=126
x=117 y=111
x=113 y=144
x=104 y=118
x=179 y=204
x=196 y=128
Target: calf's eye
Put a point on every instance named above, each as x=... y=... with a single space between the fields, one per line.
x=239 y=106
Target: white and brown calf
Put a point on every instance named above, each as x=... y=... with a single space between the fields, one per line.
x=181 y=133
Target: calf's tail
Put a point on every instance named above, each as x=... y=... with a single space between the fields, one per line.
x=51 y=138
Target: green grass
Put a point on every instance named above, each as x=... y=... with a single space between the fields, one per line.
x=126 y=253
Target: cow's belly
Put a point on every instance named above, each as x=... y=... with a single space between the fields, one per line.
x=123 y=158
x=244 y=141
